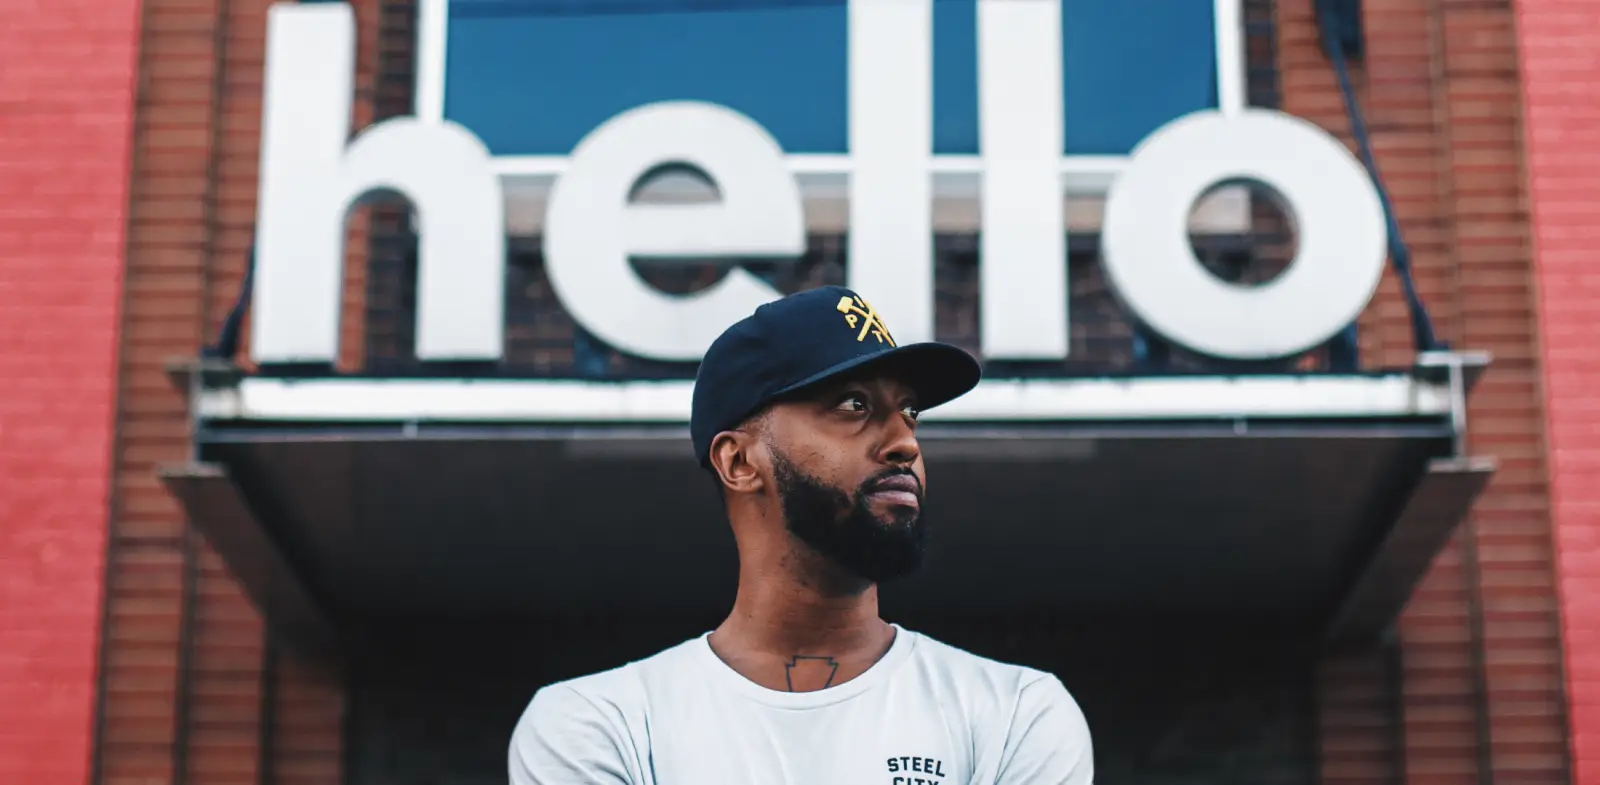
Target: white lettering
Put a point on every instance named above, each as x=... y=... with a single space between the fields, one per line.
x=310 y=179
x=1342 y=234
x=891 y=148
x=1024 y=235
x=591 y=230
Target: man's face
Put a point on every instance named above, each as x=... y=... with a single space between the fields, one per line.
x=848 y=472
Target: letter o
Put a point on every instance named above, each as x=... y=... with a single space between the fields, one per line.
x=1343 y=235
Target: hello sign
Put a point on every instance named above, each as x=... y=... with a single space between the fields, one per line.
x=312 y=174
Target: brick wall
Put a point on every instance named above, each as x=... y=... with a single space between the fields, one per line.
x=66 y=85
x=195 y=691
x=154 y=571
x=1560 y=45
x=1479 y=682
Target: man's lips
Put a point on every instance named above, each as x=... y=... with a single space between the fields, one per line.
x=902 y=490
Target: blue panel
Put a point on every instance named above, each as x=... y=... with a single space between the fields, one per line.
x=532 y=77
x=955 y=77
x=1132 y=65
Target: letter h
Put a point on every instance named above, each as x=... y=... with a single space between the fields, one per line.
x=311 y=177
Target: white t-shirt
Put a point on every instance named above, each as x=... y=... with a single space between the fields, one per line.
x=924 y=714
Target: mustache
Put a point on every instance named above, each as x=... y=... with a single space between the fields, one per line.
x=884 y=476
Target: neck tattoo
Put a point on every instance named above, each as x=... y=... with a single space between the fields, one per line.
x=809 y=669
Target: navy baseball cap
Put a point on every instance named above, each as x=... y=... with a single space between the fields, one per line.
x=808 y=339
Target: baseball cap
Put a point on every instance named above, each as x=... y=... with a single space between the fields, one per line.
x=805 y=340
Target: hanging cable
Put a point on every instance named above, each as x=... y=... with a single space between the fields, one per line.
x=1335 y=19
x=227 y=345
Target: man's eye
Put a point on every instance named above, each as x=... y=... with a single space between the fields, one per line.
x=912 y=412
x=853 y=403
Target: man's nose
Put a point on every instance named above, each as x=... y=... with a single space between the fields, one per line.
x=900 y=442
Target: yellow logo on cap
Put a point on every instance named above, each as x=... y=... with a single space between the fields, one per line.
x=857 y=313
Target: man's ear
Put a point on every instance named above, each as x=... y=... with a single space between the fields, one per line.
x=734 y=459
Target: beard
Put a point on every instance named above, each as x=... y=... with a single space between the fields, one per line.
x=843 y=529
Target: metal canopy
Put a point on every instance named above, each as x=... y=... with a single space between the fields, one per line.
x=1316 y=514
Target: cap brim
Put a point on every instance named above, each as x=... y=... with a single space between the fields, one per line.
x=937 y=372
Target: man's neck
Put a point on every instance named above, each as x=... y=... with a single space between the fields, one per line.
x=792 y=628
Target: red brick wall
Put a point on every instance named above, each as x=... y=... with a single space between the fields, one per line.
x=66 y=88
x=1560 y=46
x=1481 y=689
x=192 y=693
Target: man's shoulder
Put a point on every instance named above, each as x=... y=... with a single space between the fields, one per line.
x=1011 y=708
x=582 y=729
x=963 y=666
x=613 y=689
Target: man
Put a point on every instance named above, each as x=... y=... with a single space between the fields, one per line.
x=806 y=414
